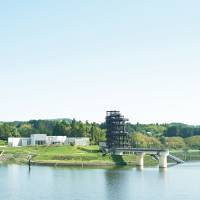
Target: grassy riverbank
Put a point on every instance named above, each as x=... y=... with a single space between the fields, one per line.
x=189 y=155
x=68 y=155
x=79 y=156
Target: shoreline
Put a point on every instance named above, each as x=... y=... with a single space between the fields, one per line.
x=81 y=156
x=76 y=164
x=88 y=164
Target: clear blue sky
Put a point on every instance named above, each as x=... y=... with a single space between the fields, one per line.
x=80 y=58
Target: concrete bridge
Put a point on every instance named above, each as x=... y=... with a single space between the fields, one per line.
x=158 y=154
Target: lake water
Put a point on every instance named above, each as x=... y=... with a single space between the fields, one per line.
x=180 y=182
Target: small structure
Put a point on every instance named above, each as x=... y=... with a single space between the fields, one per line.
x=102 y=146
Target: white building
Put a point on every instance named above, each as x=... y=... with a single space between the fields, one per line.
x=14 y=142
x=83 y=141
x=38 y=139
x=43 y=139
x=56 y=139
x=25 y=141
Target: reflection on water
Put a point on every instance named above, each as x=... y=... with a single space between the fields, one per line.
x=114 y=182
x=139 y=168
x=17 y=182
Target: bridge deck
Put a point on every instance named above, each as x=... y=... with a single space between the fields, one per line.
x=149 y=150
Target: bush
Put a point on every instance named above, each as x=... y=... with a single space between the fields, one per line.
x=193 y=142
x=141 y=140
x=3 y=142
x=174 y=142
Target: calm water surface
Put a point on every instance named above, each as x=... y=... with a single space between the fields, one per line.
x=181 y=182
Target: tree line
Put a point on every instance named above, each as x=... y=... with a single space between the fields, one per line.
x=145 y=141
x=175 y=135
x=172 y=136
x=167 y=130
x=182 y=130
x=69 y=128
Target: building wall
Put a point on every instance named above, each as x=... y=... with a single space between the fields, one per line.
x=14 y=142
x=56 y=139
x=70 y=141
x=37 y=139
x=25 y=141
x=82 y=141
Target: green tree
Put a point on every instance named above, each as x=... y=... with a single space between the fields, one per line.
x=193 y=142
x=62 y=129
x=174 y=142
x=142 y=140
x=8 y=130
x=97 y=134
x=25 y=130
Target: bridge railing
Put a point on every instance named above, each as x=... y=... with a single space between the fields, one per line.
x=142 y=149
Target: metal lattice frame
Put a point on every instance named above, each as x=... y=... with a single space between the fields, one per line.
x=117 y=136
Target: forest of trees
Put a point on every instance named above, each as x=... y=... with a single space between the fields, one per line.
x=167 y=130
x=182 y=130
x=174 y=135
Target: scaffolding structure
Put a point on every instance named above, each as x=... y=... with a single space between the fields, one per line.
x=117 y=136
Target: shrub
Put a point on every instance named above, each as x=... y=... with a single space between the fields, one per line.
x=141 y=140
x=174 y=142
x=3 y=142
x=193 y=142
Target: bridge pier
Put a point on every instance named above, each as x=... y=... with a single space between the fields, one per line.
x=140 y=159
x=163 y=159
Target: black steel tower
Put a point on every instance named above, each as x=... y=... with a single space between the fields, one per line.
x=117 y=136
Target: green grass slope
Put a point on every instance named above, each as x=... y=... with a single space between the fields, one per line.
x=68 y=155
